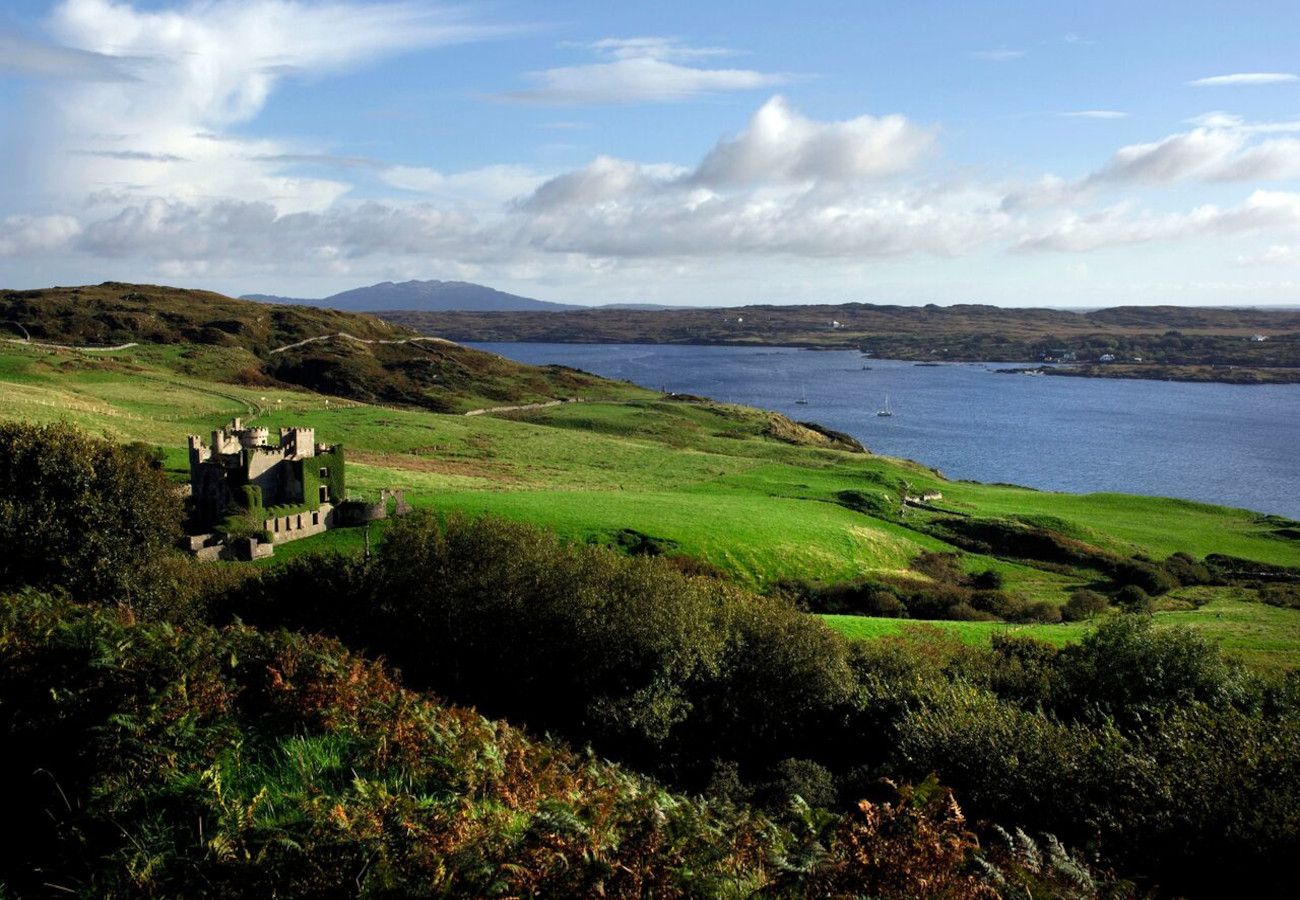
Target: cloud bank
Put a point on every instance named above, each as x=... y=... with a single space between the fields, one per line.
x=146 y=163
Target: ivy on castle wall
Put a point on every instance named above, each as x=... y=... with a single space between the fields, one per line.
x=309 y=472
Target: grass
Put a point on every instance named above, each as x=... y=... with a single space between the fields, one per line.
x=865 y=628
x=706 y=477
x=1262 y=636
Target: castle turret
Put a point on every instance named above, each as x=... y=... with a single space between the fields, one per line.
x=299 y=442
x=254 y=437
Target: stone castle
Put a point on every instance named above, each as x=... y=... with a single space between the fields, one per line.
x=275 y=493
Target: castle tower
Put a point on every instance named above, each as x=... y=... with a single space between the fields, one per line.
x=299 y=442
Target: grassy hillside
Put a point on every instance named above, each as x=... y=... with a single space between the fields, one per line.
x=746 y=492
x=222 y=339
x=115 y=313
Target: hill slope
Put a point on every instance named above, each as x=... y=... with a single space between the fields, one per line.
x=425 y=296
x=339 y=353
x=737 y=490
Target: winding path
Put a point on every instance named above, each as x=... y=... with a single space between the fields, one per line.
x=522 y=406
x=352 y=337
x=30 y=343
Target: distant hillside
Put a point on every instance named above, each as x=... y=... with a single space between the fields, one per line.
x=340 y=353
x=426 y=296
x=116 y=313
x=1187 y=343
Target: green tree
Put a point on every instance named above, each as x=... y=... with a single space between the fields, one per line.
x=86 y=515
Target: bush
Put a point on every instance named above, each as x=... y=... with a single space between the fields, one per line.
x=1142 y=574
x=988 y=580
x=1286 y=596
x=1128 y=667
x=82 y=514
x=1083 y=605
x=1042 y=611
x=1186 y=570
x=623 y=652
x=1133 y=599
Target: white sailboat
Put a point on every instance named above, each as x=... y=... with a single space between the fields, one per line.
x=803 y=397
x=885 y=410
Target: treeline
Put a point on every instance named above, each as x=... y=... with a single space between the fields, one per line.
x=1144 y=748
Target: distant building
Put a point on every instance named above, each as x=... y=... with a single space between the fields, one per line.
x=242 y=468
x=1259 y=338
x=1106 y=357
x=250 y=494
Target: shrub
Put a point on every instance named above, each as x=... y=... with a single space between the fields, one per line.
x=82 y=514
x=1186 y=570
x=1286 y=596
x=1134 y=600
x=623 y=652
x=1042 y=611
x=1083 y=605
x=1142 y=574
x=1127 y=667
x=988 y=580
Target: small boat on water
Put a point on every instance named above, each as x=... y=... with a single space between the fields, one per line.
x=803 y=398
x=885 y=410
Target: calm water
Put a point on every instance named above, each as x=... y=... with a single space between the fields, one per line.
x=1229 y=444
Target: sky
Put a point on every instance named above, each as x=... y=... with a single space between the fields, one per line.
x=701 y=153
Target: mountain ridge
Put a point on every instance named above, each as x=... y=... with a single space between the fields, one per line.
x=422 y=296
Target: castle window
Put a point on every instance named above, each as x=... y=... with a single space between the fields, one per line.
x=300 y=521
x=315 y=518
x=324 y=471
x=277 y=523
x=324 y=493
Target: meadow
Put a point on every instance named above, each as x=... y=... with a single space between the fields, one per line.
x=739 y=489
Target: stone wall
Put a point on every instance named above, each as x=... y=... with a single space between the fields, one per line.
x=300 y=524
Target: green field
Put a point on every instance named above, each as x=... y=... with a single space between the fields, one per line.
x=709 y=479
x=1263 y=636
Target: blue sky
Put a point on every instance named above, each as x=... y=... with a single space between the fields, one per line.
x=701 y=153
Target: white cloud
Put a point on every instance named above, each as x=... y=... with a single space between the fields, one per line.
x=1116 y=226
x=781 y=145
x=654 y=47
x=165 y=132
x=1180 y=156
x=777 y=149
x=1240 y=78
x=233 y=231
x=22 y=56
x=1095 y=114
x=639 y=70
x=1274 y=255
x=24 y=235
x=1002 y=54
x=1221 y=148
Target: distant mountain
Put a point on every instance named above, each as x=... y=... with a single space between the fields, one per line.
x=424 y=296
